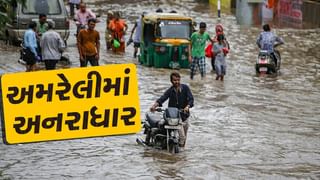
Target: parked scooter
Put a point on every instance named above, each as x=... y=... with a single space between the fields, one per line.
x=267 y=63
x=162 y=129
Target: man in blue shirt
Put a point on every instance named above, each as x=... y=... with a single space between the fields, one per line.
x=179 y=96
x=267 y=40
x=30 y=45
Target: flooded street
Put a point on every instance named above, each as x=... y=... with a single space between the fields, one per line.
x=247 y=127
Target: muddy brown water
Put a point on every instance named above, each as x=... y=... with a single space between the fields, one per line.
x=247 y=127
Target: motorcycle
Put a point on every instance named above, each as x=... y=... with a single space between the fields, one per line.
x=64 y=60
x=162 y=129
x=81 y=26
x=268 y=63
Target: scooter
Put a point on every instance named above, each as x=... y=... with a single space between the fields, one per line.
x=268 y=63
x=162 y=129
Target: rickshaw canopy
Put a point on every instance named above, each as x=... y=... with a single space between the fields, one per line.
x=154 y=18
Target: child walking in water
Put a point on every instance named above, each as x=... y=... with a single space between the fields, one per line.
x=220 y=50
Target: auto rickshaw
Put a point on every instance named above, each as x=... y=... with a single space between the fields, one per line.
x=165 y=40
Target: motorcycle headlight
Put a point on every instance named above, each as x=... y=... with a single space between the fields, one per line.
x=173 y=121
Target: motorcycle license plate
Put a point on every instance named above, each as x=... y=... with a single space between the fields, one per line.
x=264 y=69
x=172 y=127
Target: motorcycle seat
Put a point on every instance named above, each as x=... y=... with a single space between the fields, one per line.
x=153 y=119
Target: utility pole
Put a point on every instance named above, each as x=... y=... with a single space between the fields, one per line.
x=219 y=9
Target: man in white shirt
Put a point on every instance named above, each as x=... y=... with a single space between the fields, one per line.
x=52 y=46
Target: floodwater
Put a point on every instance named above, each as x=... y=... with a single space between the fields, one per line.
x=247 y=127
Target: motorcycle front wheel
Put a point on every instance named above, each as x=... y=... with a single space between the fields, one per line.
x=173 y=148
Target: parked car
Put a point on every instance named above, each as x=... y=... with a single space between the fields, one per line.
x=22 y=15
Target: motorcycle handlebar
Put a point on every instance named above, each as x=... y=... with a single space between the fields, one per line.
x=277 y=44
x=161 y=109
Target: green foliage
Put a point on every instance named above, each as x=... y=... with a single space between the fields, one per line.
x=6 y=10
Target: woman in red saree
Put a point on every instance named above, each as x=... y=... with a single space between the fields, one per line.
x=118 y=28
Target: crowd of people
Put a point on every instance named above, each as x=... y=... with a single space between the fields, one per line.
x=180 y=95
x=38 y=43
x=41 y=42
x=88 y=39
x=116 y=29
x=218 y=49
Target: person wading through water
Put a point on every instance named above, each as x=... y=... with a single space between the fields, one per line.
x=118 y=28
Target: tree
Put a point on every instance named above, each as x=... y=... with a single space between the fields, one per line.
x=5 y=12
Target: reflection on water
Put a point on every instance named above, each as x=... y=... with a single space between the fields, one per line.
x=247 y=127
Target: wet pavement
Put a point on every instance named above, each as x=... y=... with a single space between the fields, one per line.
x=247 y=127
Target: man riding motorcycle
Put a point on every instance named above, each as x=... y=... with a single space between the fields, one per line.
x=82 y=16
x=180 y=96
x=267 y=40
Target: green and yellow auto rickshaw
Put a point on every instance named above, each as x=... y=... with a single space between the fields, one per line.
x=165 y=40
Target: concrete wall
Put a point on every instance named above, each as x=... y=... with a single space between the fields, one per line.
x=299 y=13
x=248 y=13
